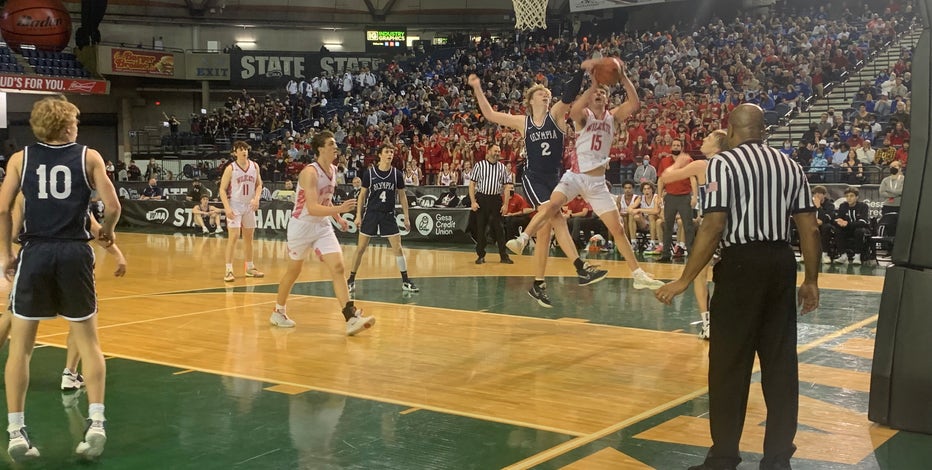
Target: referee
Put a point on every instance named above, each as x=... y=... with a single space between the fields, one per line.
x=752 y=191
x=489 y=190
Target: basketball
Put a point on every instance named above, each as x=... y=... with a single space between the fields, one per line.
x=607 y=71
x=45 y=24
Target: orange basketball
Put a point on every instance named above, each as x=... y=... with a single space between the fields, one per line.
x=45 y=24
x=607 y=71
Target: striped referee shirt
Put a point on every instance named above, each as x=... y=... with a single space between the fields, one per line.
x=760 y=188
x=490 y=178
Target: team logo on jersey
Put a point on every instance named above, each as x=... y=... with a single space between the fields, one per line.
x=424 y=223
x=159 y=215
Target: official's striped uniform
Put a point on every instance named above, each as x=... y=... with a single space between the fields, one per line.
x=753 y=308
x=760 y=188
x=490 y=178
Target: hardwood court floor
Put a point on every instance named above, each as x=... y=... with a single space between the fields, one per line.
x=468 y=373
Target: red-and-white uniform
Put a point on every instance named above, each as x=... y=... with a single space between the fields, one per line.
x=242 y=191
x=305 y=231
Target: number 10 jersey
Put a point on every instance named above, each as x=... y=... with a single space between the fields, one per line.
x=56 y=193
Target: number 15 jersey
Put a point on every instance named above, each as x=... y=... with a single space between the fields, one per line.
x=594 y=141
x=56 y=193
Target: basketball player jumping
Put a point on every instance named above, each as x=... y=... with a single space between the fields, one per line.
x=543 y=129
x=310 y=230
x=381 y=185
x=240 y=188
x=590 y=113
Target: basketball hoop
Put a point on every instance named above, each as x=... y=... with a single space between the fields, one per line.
x=530 y=14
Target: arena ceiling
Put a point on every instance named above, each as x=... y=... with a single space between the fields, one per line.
x=314 y=13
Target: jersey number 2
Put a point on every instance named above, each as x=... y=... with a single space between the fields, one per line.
x=49 y=181
x=545 y=149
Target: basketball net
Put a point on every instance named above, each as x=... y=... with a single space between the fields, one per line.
x=530 y=14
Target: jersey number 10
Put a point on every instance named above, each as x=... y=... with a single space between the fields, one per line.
x=49 y=181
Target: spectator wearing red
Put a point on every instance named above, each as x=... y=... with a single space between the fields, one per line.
x=902 y=154
x=433 y=160
x=898 y=135
x=517 y=215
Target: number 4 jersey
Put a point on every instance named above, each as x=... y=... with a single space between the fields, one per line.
x=56 y=193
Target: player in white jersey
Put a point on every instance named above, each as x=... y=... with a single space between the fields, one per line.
x=596 y=124
x=240 y=188
x=627 y=202
x=310 y=229
x=713 y=144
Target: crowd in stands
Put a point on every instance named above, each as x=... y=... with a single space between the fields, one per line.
x=688 y=79
x=846 y=144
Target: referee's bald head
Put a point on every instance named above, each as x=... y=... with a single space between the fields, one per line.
x=746 y=122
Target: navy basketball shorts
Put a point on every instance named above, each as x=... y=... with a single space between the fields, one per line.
x=54 y=278
x=538 y=187
x=379 y=224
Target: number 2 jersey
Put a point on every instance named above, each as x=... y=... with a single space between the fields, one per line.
x=56 y=193
x=544 y=146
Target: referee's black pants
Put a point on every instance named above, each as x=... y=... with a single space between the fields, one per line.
x=753 y=310
x=489 y=215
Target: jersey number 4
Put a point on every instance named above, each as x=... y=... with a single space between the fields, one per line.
x=49 y=181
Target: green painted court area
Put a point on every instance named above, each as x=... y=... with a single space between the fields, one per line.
x=166 y=418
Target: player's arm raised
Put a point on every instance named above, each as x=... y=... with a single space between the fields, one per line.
x=632 y=103
x=504 y=119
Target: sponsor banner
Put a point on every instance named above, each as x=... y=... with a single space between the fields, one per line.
x=424 y=196
x=206 y=66
x=142 y=62
x=274 y=69
x=449 y=225
x=60 y=85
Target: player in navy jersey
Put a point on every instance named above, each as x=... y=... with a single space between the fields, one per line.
x=54 y=273
x=543 y=129
x=382 y=184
